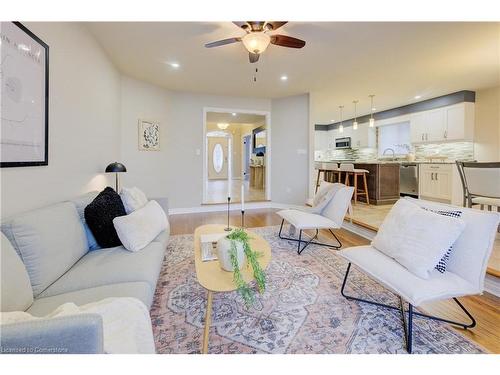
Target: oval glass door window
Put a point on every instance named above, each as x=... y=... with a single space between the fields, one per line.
x=218 y=158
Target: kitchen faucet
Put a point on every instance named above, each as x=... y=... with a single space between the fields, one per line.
x=393 y=153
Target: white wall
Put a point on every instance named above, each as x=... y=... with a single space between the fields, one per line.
x=487 y=125
x=83 y=122
x=289 y=149
x=176 y=171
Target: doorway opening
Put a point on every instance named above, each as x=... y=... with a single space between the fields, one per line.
x=236 y=154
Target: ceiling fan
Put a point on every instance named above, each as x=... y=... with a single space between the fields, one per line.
x=257 y=38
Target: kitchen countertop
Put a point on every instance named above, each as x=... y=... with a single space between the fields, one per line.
x=386 y=161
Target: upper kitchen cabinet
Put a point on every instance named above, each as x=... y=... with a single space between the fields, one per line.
x=363 y=136
x=452 y=123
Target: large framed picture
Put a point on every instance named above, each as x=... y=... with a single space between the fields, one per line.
x=24 y=76
x=149 y=135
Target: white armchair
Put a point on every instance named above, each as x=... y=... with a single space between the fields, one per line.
x=330 y=217
x=464 y=275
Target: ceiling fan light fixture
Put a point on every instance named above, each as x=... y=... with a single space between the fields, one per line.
x=256 y=42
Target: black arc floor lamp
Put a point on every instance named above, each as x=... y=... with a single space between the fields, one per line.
x=116 y=168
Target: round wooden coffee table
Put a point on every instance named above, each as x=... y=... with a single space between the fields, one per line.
x=214 y=279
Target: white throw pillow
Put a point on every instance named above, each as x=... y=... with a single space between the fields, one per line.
x=139 y=228
x=323 y=196
x=133 y=199
x=416 y=238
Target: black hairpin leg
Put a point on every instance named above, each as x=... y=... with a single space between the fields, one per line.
x=408 y=324
x=311 y=241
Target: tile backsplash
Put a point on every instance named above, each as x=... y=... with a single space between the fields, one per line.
x=452 y=150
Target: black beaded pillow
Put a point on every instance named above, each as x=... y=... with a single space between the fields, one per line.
x=442 y=264
x=99 y=215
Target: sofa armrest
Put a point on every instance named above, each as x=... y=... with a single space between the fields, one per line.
x=163 y=202
x=81 y=333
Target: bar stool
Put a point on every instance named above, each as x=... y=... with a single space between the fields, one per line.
x=329 y=170
x=349 y=170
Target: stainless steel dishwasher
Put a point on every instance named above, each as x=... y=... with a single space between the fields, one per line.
x=408 y=179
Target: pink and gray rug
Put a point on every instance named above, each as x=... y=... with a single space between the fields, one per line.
x=301 y=311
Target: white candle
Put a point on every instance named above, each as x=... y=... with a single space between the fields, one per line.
x=242 y=198
x=228 y=188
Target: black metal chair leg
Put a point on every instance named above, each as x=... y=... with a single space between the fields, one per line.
x=300 y=241
x=409 y=338
x=408 y=324
x=311 y=241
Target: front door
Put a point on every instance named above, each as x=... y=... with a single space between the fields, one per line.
x=218 y=158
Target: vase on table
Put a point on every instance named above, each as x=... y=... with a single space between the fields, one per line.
x=223 y=253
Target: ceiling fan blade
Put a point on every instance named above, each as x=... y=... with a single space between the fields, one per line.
x=222 y=42
x=253 y=57
x=274 y=25
x=243 y=24
x=287 y=41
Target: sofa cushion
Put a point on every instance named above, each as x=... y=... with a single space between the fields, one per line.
x=416 y=238
x=99 y=215
x=140 y=290
x=16 y=293
x=133 y=198
x=111 y=266
x=81 y=202
x=142 y=226
x=397 y=278
x=50 y=241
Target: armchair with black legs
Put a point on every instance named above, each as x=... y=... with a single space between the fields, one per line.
x=328 y=213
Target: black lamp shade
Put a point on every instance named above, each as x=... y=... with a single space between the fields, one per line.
x=115 y=167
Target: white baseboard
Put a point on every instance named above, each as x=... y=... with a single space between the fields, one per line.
x=492 y=285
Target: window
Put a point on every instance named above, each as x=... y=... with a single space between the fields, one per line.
x=218 y=158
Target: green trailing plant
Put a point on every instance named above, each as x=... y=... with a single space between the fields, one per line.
x=239 y=235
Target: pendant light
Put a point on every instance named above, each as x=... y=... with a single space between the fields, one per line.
x=341 y=126
x=355 y=123
x=372 y=120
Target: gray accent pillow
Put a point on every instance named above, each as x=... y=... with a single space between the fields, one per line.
x=49 y=241
x=15 y=293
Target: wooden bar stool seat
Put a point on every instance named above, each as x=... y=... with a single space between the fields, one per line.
x=349 y=171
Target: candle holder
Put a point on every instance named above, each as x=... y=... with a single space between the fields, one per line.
x=242 y=219
x=228 y=228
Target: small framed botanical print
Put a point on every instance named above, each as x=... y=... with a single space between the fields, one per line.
x=149 y=135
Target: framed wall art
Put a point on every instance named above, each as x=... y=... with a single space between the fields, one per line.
x=24 y=73
x=149 y=135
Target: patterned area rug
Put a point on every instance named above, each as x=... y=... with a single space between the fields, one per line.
x=302 y=310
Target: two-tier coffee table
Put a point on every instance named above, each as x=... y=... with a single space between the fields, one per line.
x=214 y=279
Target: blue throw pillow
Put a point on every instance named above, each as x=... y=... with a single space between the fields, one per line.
x=443 y=263
x=93 y=245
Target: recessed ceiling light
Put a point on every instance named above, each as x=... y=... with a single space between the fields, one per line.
x=332 y=120
x=374 y=109
x=418 y=96
x=284 y=78
x=174 y=65
x=234 y=113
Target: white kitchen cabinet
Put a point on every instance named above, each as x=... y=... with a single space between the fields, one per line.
x=451 y=123
x=428 y=126
x=436 y=182
x=363 y=137
x=321 y=140
x=460 y=122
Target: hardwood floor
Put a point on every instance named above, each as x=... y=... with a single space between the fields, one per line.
x=485 y=308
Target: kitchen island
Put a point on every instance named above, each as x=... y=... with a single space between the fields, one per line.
x=382 y=180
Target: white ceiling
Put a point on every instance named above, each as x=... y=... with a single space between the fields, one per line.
x=340 y=62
